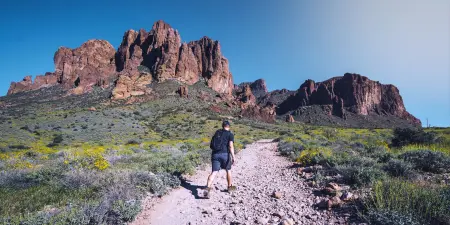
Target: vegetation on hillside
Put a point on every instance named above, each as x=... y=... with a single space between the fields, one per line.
x=80 y=161
x=402 y=175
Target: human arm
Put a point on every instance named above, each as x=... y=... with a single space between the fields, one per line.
x=233 y=158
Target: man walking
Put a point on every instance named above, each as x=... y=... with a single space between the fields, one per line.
x=222 y=155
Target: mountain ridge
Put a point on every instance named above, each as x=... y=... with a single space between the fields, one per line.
x=159 y=55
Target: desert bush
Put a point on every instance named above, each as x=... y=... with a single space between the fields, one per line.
x=330 y=133
x=18 y=147
x=157 y=184
x=359 y=161
x=427 y=204
x=429 y=161
x=115 y=213
x=406 y=136
x=58 y=139
x=317 y=155
x=83 y=178
x=397 y=168
x=374 y=151
x=26 y=178
x=360 y=175
x=133 y=142
x=387 y=217
x=290 y=148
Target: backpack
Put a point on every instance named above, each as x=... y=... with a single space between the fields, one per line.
x=217 y=141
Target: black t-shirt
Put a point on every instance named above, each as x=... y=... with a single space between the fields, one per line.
x=227 y=137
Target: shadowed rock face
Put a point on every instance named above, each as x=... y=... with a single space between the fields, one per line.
x=162 y=52
x=353 y=93
x=96 y=63
x=258 y=87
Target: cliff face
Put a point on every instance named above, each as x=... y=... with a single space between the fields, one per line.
x=96 y=63
x=350 y=93
x=162 y=52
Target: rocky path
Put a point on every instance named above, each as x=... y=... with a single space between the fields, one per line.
x=269 y=191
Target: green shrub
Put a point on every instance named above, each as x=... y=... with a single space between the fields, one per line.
x=290 y=148
x=360 y=175
x=427 y=204
x=397 y=168
x=429 y=161
x=157 y=184
x=330 y=133
x=387 y=217
x=406 y=136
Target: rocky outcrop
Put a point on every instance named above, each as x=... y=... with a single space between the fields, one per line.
x=290 y=119
x=159 y=52
x=167 y=58
x=183 y=91
x=129 y=85
x=276 y=97
x=353 y=93
x=246 y=96
x=84 y=67
x=47 y=80
x=265 y=113
x=247 y=102
x=258 y=87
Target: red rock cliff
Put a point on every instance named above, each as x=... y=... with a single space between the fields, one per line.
x=353 y=93
x=160 y=51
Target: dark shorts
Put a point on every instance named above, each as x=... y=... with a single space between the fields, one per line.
x=221 y=161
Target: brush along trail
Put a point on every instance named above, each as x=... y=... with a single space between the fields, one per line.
x=269 y=191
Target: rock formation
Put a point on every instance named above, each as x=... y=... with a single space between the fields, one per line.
x=162 y=52
x=159 y=55
x=258 y=87
x=84 y=67
x=134 y=85
x=183 y=91
x=159 y=52
x=249 y=108
x=48 y=80
x=290 y=119
x=353 y=93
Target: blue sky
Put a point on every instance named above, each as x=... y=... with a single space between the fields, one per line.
x=401 y=42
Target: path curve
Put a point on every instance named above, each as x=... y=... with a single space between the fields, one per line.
x=259 y=171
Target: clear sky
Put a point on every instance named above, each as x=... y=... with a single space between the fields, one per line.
x=401 y=42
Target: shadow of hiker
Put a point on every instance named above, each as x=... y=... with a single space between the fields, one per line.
x=193 y=188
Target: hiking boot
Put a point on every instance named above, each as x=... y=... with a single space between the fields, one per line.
x=207 y=193
x=231 y=188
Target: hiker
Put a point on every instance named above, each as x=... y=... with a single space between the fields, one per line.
x=222 y=156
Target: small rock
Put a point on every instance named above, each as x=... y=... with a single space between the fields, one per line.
x=262 y=220
x=287 y=222
x=331 y=191
x=279 y=214
x=334 y=202
x=347 y=196
x=277 y=195
x=333 y=186
x=92 y=109
x=322 y=204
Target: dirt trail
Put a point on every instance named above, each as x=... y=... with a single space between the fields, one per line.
x=258 y=172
